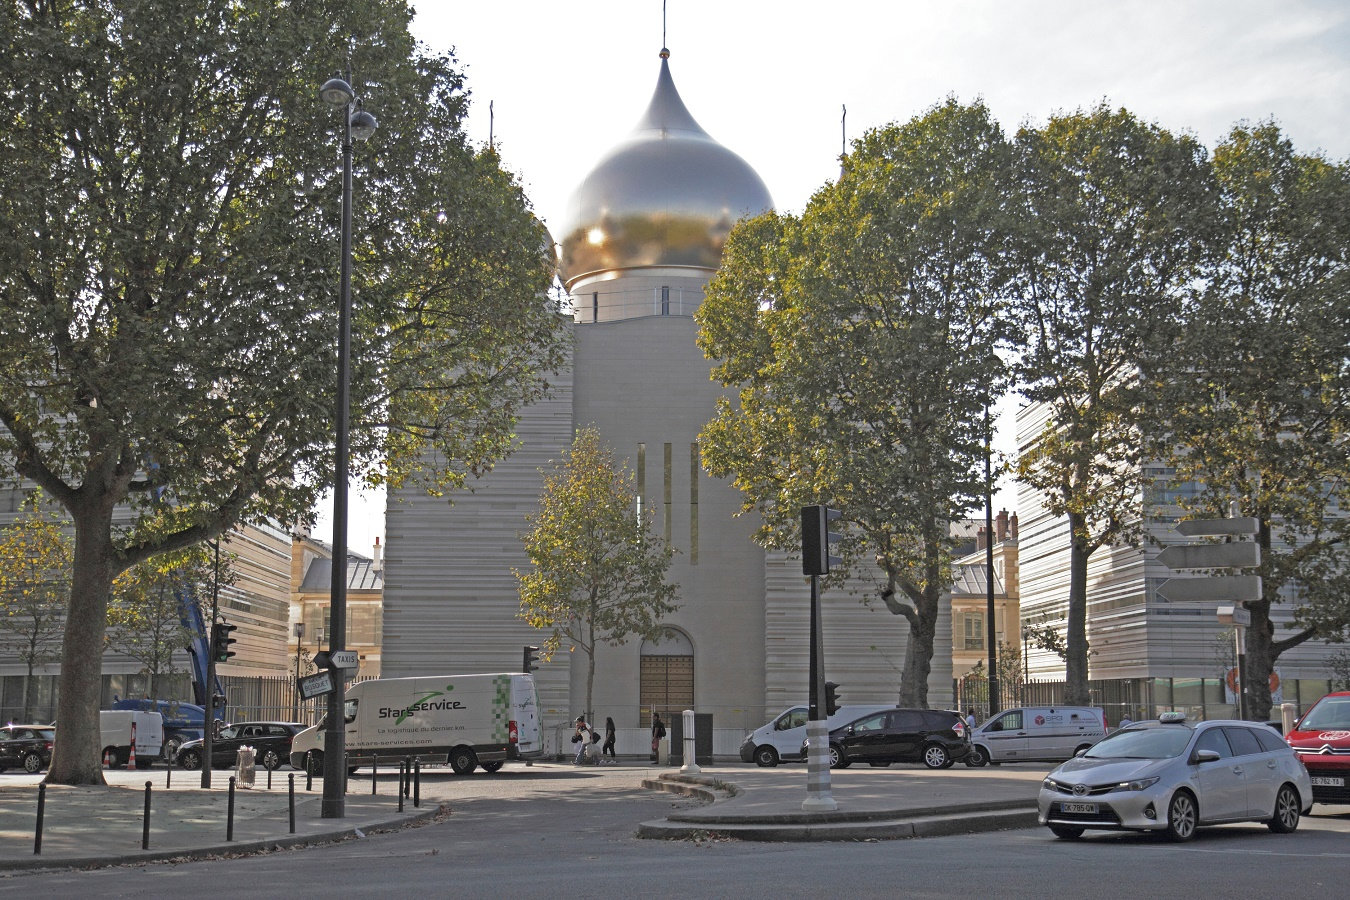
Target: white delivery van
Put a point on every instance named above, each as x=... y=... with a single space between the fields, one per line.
x=115 y=725
x=1039 y=733
x=782 y=738
x=465 y=720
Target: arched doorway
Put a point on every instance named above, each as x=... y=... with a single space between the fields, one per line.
x=667 y=677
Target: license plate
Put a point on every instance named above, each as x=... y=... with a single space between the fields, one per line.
x=1328 y=781
x=1078 y=807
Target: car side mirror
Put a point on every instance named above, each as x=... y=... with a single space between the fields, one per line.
x=1206 y=756
x=848 y=730
x=1080 y=752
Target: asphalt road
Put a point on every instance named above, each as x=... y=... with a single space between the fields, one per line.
x=531 y=834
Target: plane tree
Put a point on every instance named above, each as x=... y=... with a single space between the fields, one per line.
x=1113 y=217
x=1253 y=388
x=169 y=255
x=860 y=340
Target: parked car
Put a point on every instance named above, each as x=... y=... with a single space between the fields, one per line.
x=1048 y=733
x=935 y=737
x=1322 y=741
x=271 y=743
x=1173 y=775
x=26 y=746
x=182 y=721
x=783 y=738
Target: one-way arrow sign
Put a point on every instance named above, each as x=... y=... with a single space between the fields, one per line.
x=1211 y=556
x=1228 y=589
x=1236 y=525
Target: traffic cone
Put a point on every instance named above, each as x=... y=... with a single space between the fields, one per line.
x=131 y=756
x=107 y=759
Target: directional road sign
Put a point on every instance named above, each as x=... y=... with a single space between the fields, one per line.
x=1198 y=527
x=1211 y=556
x=344 y=659
x=312 y=686
x=1224 y=589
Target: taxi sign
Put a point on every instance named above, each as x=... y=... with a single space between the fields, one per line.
x=343 y=659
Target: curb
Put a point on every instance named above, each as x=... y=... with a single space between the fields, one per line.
x=236 y=848
x=831 y=825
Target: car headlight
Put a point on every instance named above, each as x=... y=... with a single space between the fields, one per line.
x=1049 y=784
x=1138 y=784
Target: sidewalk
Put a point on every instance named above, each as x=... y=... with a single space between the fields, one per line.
x=99 y=826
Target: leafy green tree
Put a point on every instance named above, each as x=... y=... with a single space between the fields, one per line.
x=1254 y=390
x=169 y=255
x=862 y=339
x=35 y=560
x=1113 y=229
x=598 y=571
x=145 y=620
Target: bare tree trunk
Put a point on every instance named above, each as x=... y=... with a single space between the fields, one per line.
x=75 y=759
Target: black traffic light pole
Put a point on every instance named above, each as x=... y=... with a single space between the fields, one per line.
x=816 y=562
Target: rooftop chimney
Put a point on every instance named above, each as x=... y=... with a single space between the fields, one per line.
x=377 y=560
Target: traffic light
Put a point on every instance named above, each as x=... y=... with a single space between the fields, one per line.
x=221 y=641
x=531 y=661
x=819 y=539
x=831 y=698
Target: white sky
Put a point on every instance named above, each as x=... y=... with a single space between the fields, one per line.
x=568 y=80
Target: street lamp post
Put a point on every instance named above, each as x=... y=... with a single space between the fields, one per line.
x=358 y=123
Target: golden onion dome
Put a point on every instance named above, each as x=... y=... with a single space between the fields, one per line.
x=666 y=196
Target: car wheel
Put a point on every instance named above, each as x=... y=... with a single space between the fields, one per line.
x=977 y=758
x=314 y=762
x=1066 y=832
x=1285 y=820
x=837 y=758
x=766 y=757
x=271 y=760
x=189 y=759
x=935 y=756
x=1182 y=816
x=462 y=760
x=490 y=767
x=33 y=763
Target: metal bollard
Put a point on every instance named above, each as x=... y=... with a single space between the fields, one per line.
x=309 y=773
x=229 y=816
x=406 y=784
x=42 y=808
x=145 y=820
x=402 y=779
x=417 y=783
x=269 y=778
x=374 y=773
x=168 y=772
x=290 y=778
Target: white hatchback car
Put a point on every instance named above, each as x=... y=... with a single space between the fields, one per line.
x=1173 y=775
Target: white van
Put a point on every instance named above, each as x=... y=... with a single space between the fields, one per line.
x=115 y=727
x=465 y=720
x=782 y=738
x=1040 y=733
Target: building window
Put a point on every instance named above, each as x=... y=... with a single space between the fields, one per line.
x=641 y=480
x=974 y=631
x=665 y=301
x=693 y=503
x=595 y=306
x=668 y=494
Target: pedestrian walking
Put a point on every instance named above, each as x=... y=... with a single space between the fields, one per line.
x=608 y=748
x=582 y=738
x=658 y=732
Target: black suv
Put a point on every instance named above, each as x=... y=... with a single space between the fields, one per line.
x=26 y=746
x=934 y=737
x=271 y=742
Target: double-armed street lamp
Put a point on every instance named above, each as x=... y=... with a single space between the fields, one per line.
x=358 y=124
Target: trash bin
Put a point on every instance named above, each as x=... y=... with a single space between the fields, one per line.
x=244 y=768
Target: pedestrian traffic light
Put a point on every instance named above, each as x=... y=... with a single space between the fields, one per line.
x=831 y=698
x=531 y=661
x=221 y=641
x=820 y=542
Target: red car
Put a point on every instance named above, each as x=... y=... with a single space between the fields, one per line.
x=1322 y=740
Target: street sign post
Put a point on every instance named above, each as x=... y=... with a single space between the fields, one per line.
x=1235 y=525
x=1239 y=555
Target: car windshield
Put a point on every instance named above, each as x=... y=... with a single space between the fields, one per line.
x=1142 y=743
x=47 y=734
x=1330 y=712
